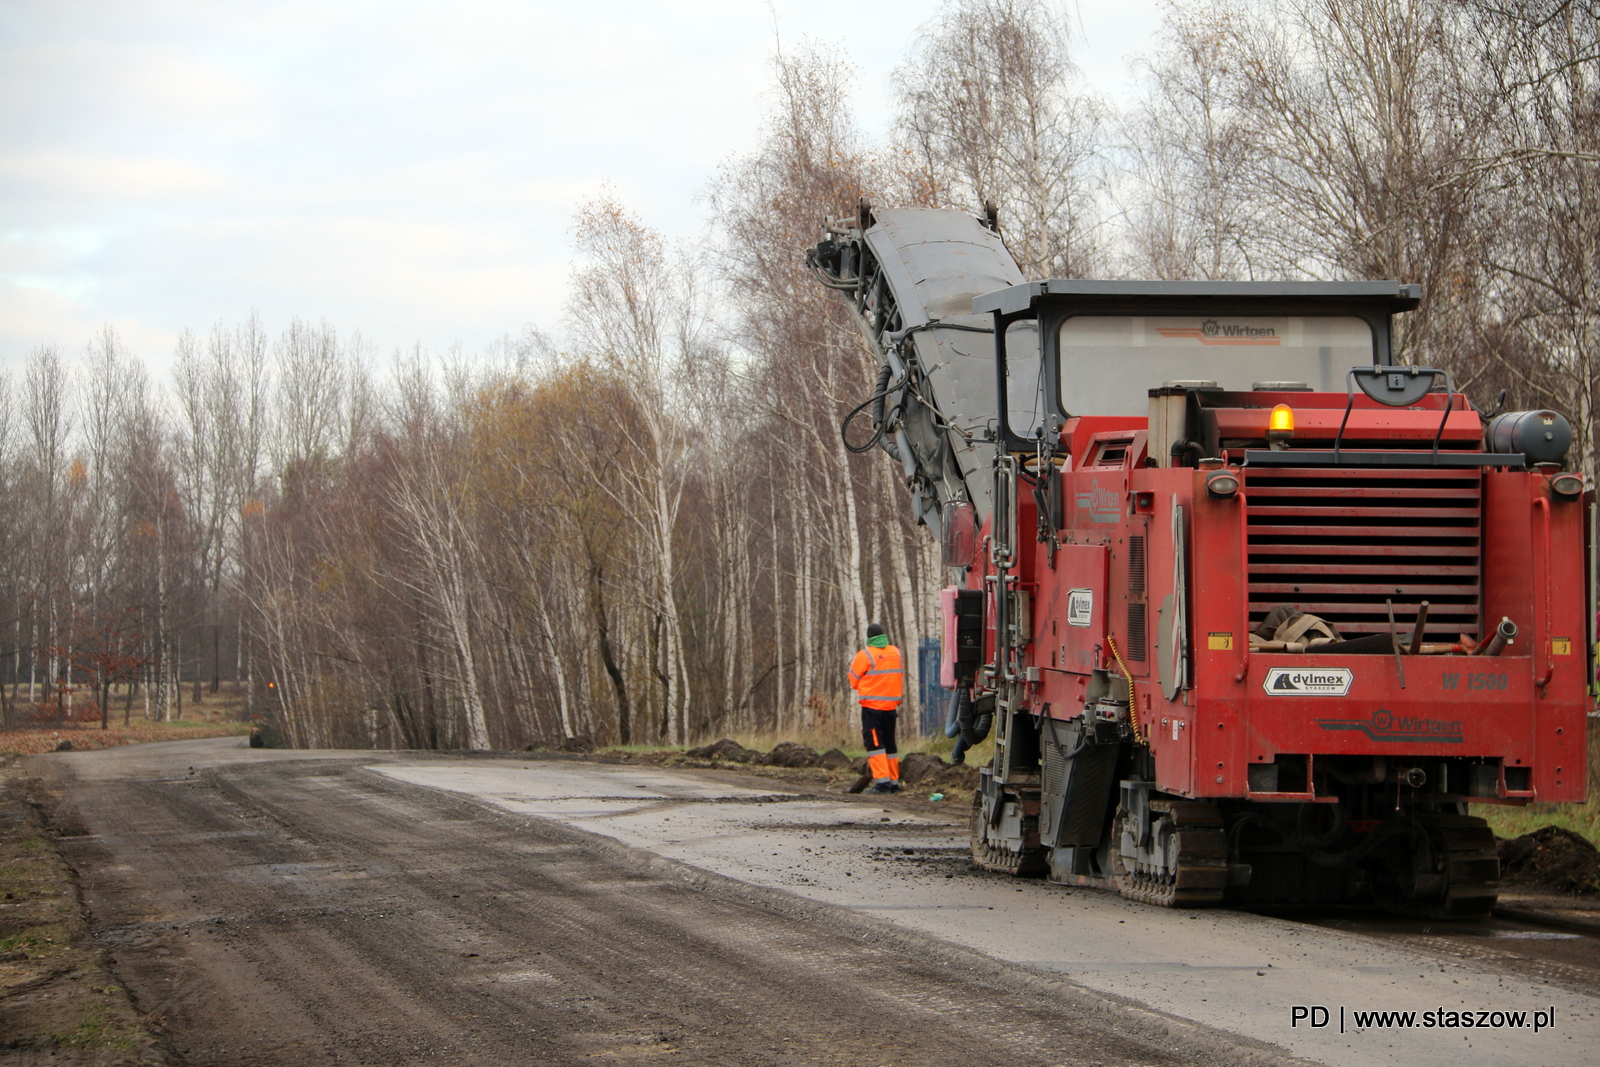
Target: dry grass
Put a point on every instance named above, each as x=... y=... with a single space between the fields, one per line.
x=88 y=736
x=1580 y=818
x=33 y=728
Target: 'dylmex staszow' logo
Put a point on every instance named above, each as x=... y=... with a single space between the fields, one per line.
x=1308 y=682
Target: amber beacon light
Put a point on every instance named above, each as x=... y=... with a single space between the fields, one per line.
x=1280 y=426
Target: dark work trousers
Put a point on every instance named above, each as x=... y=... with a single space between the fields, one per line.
x=877 y=734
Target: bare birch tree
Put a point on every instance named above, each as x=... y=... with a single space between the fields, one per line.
x=992 y=110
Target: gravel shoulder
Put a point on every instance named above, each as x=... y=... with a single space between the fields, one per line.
x=59 y=1003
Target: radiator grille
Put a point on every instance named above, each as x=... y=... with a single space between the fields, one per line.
x=1137 y=637
x=1338 y=543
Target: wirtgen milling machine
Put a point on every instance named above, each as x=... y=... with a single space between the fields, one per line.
x=1254 y=612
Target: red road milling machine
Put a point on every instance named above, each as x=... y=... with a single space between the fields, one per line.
x=1253 y=612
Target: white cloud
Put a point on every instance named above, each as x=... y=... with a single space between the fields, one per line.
x=406 y=169
x=100 y=177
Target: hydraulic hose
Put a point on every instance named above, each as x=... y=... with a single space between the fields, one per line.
x=975 y=725
x=880 y=398
x=1319 y=842
x=876 y=401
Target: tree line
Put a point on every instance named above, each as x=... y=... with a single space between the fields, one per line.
x=644 y=527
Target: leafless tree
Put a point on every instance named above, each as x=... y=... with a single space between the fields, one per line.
x=1185 y=208
x=991 y=108
x=1538 y=74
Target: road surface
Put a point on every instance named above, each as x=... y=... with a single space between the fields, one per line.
x=332 y=908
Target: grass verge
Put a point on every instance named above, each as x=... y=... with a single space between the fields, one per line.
x=1506 y=821
x=1582 y=818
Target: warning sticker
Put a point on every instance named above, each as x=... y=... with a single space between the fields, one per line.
x=1219 y=642
x=1308 y=682
x=1561 y=646
x=1080 y=607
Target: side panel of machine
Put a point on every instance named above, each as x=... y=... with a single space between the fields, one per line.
x=1069 y=627
x=1162 y=513
x=1221 y=635
x=1533 y=570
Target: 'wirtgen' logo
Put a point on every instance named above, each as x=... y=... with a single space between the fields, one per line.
x=1103 y=505
x=1308 y=682
x=1212 y=332
x=1387 y=726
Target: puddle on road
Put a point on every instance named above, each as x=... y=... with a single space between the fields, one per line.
x=919 y=826
x=536 y=977
x=1535 y=935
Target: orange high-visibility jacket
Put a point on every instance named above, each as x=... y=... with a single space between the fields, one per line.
x=879 y=678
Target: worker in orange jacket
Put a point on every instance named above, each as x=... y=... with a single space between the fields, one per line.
x=878 y=676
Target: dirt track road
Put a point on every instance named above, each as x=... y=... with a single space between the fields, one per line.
x=295 y=908
x=322 y=908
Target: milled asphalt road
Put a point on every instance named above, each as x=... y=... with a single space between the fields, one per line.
x=1232 y=970
x=238 y=894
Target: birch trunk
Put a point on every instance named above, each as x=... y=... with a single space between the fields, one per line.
x=563 y=706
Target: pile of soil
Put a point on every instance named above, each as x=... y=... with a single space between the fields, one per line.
x=924 y=770
x=1553 y=859
x=790 y=754
x=783 y=754
x=919 y=769
x=726 y=749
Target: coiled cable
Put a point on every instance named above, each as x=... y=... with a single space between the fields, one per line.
x=1133 y=705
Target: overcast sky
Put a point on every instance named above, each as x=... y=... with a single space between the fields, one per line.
x=409 y=170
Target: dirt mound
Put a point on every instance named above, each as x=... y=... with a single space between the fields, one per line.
x=1551 y=858
x=928 y=771
x=727 y=749
x=790 y=754
x=834 y=759
x=916 y=766
x=919 y=769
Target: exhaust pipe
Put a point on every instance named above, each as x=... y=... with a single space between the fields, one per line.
x=1502 y=637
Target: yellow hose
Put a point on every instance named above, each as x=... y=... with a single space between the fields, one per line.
x=1133 y=704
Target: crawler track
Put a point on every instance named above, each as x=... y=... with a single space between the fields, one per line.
x=1019 y=863
x=1202 y=859
x=1465 y=864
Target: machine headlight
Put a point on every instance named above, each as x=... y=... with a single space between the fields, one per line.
x=1222 y=483
x=1567 y=486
